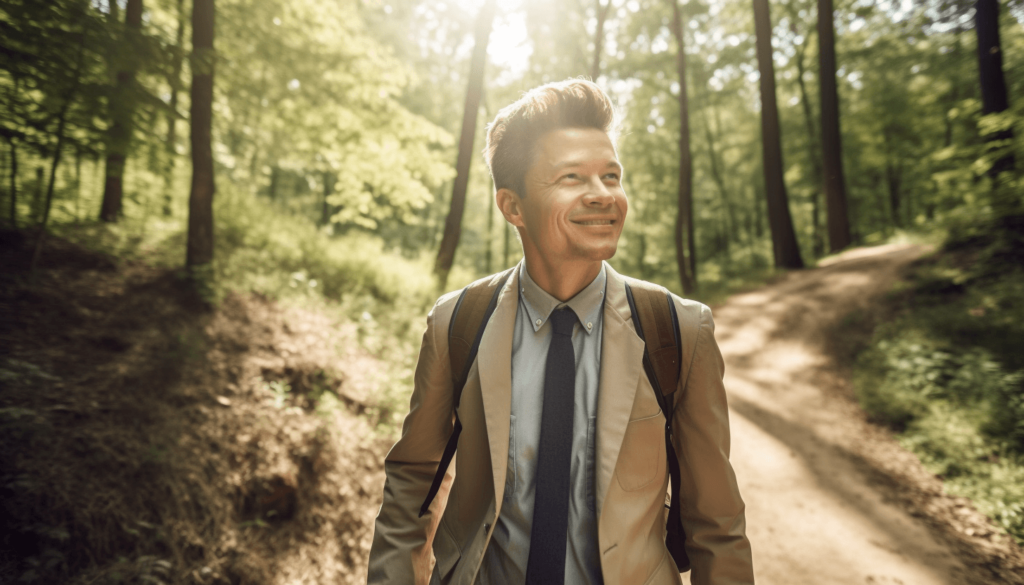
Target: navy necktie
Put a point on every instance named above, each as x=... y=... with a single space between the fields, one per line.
x=546 y=564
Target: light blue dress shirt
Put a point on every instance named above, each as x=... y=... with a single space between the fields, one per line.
x=507 y=554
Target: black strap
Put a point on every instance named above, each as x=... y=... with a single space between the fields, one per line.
x=453 y=441
x=675 y=537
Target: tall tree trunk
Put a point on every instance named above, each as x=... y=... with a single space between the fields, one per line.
x=174 y=80
x=62 y=117
x=474 y=90
x=122 y=109
x=990 y=70
x=200 y=202
x=78 y=184
x=14 y=182
x=37 y=200
x=818 y=244
x=489 y=256
x=686 y=256
x=325 y=210
x=831 y=139
x=784 y=245
x=601 y=11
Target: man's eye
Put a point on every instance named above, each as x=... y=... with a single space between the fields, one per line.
x=571 y=176
x=611 y=176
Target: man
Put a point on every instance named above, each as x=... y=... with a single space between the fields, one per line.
x=560 y=474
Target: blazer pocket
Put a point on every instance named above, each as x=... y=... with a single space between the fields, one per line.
x=642 y=454
x=510 y=471
x=446 y=551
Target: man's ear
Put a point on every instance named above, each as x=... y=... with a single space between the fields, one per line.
x=511 y=206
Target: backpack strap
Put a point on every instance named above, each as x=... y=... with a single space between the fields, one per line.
x=654 y=312
x=469 y=319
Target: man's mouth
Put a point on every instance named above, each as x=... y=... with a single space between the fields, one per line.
x=594 y=222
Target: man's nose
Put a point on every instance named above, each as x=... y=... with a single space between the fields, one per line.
x=598 y=194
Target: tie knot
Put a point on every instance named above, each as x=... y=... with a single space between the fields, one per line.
x=562 y=320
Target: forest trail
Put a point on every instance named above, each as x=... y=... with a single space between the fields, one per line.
x=830 y=497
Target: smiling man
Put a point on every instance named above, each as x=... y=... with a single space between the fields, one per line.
x=542 y=382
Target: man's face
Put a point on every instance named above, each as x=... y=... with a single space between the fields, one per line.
x=574 y=206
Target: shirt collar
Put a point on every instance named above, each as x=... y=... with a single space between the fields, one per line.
x=539 y=304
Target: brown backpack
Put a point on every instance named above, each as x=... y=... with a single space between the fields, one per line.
x=653 y=312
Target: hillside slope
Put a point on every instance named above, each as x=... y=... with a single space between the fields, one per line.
x=147 y=438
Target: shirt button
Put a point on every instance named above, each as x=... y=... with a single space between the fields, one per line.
x=538 y=322
x=590 y=326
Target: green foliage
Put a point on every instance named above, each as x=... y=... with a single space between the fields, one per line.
x=947 y=373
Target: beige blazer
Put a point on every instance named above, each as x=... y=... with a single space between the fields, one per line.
x=447 y=545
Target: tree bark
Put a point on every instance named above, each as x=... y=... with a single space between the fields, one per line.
x=58 y=149
x=200 y=204
x=831 y=139
x=174 y=80
x=325 y=210
x=14 y=183
x=818 y=244
x=686 y=256
x=990 y=71
x=474 y=90
x=602 y=16
x=122 y=109
x=784 y=244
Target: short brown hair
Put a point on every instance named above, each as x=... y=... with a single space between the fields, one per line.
x=573 y=103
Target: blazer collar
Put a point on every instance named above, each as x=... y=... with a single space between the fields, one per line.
x=622 y=353
x=496 y=380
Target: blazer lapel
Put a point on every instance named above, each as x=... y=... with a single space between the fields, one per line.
x=622 y=353
x=494 y=363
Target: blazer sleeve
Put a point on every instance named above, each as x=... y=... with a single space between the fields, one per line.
x=711 y=508
x=401 y=551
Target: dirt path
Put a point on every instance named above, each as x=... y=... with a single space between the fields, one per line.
x=831 y=499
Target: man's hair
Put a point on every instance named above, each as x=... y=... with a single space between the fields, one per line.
x=573 y=103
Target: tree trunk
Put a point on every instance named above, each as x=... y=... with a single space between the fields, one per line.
x=200 y=202
x=325 y=210
x=831 y=139
x=474 y=90
x=37 y=200
x=686 y=256
x=601 y=11
x=58 y=149
x=14 y=183
x=990 y=69
x=78 y=184
x=489 y=256
x=784 y=245
x=818 y=244
x=174 y=80
x=122 y=108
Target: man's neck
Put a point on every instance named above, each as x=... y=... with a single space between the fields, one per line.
x=565 y=279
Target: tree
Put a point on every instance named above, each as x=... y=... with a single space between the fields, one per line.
x=602 y=16
x=200 y=204
x=784 y=245
x=174 y=81
x=122 y=109
x=994 y=97
x=831 y=140
x=474 y=90
x=686 y=256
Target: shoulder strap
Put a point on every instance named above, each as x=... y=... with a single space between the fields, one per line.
x=653 y=311
x=654 y=317
x=469 y=319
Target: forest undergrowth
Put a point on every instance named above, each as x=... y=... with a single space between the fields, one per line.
x=945 y=370
x=148 y=436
